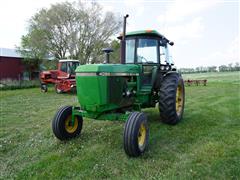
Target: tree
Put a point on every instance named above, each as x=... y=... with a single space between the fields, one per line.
x=223 y=68
x=237 y=67
x=76 y=30
x=32 y=51
x=212 y=69
x=115 y=55
x=230 y=66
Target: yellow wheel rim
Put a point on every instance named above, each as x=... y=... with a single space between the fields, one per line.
x=68 y=124
x=179 y=99
x=142 y=135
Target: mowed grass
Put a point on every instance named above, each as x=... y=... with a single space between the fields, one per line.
x=205 y=145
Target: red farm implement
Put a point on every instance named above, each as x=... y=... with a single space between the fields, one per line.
x=63 y=78
x=196 y=82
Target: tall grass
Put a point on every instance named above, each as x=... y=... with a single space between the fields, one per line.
x=9 y=84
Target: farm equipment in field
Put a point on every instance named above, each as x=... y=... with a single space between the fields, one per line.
x=190 y=82
x=63 y=78
x=118 y=92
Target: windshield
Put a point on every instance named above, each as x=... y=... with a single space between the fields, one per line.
x=74 y=67
x=69 y=67
x=147 y=50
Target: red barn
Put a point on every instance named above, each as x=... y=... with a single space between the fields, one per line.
x=11 y=66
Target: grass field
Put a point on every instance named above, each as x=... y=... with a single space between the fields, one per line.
x=205 y=145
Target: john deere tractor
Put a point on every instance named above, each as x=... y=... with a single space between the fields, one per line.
x=145 y=78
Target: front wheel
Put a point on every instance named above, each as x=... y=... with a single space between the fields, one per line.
x=62 y=125
x=44 y=88
x=172 y=98
x=136 y=134
x=58 y=89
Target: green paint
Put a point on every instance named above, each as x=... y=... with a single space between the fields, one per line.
x=101 y=116
x=108 y=68
x=100 y=93
x=102 y=89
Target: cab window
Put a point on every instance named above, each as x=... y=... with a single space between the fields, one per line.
x=147 y=51
x=130 y=50
x=163 y=55
x=73 y=66
x=64 y=67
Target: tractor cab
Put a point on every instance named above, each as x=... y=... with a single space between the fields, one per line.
x=67 y=67
x=148 y=49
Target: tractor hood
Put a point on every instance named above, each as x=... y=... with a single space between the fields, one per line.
x=102 y=87
x=107 y=69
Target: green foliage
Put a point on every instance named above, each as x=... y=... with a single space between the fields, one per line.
x=33 y=49
x=205 y=145
x=76 y=30
x=115 y=55
x=48 y=65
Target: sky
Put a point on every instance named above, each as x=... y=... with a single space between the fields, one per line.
x=205 y=32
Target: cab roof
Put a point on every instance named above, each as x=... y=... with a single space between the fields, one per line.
x=153 y=33
x=68 y=60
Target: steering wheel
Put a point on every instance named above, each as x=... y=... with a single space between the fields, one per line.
x=142 y=58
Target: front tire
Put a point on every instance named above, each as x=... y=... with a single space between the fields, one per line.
x=136 y=134
x=44 y=88
x=62 y=125
x=58 y=88
x=172 y=98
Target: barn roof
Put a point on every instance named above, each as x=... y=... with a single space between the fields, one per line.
x=6 y=52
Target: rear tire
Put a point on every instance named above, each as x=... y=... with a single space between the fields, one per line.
x=172 y=97
x=61 y=124
x=136 y=134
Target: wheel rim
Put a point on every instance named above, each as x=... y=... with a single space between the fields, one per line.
x=142 y=135
x=58 y=90
x=43 y=88
x=179 y=99
x=68 y=124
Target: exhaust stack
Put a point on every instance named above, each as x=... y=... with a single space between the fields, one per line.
x=123 y=42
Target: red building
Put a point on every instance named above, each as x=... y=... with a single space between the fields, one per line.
x=11 y=66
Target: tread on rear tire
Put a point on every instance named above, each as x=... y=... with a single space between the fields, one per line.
x=172 y=97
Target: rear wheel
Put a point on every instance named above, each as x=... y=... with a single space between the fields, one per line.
x=172 y=97
x=62 y=125
x=136 y=134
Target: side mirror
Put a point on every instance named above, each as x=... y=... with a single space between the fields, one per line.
x=171 y=43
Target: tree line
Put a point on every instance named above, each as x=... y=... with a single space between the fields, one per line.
x=203 y=69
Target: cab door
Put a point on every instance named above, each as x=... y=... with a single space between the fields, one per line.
x=148 y=59
x=63 y=70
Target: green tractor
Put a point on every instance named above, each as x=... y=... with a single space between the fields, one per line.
x=145 y=78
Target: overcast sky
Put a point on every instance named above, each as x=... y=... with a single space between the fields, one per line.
x=205 y=32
